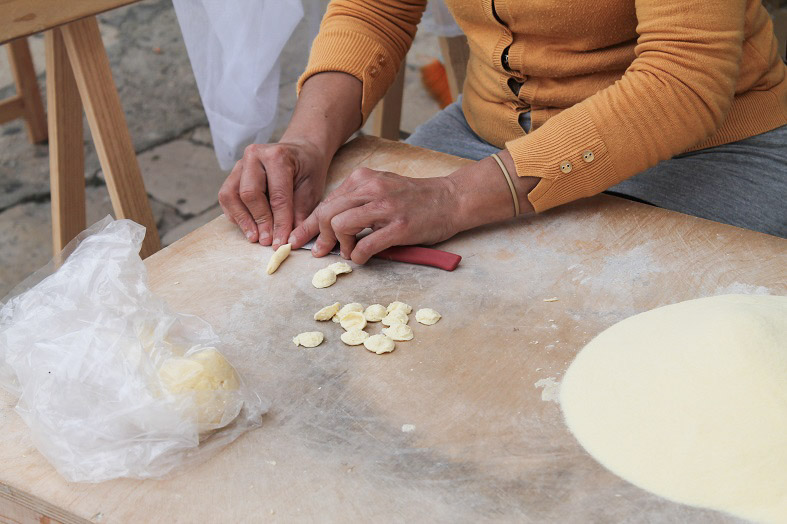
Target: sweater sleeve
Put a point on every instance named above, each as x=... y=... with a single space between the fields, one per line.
x=368 y=40
x=675 y=93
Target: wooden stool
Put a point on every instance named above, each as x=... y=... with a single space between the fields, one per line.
x=27 y=102
x=78 y=75
x=387 y=116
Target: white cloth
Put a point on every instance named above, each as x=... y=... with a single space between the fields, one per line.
x=234 y=49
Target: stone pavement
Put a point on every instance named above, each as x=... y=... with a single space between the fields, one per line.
x=168 y=127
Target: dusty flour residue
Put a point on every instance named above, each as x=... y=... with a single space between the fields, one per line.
x=551 y=391
x=738 y=288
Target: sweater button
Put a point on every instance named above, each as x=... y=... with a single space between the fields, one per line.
x=588 y=156
x=565 y=166
x=380 y=59
x=373 y=71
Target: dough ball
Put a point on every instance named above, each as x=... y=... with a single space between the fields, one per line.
x=356 y=337
x=210 y=382
x=397 y=316
x=375 y=313
x=353 y=320
x=324 y=278
x=206 y=370
x=379 y=344
x=399 y=332
x=327 y=312
x=352 y=307
x=278 y=257
x=309 y=339
x=689 y=401
x=335 y=319
x=427 y=316
x=340 y=267
x=405 y=308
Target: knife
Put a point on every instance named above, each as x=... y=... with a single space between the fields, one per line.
x=424 y=256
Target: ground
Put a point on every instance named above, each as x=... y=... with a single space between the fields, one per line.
x=168 y=127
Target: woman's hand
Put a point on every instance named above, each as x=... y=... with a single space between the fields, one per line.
x=273 y=188
x=399 y=210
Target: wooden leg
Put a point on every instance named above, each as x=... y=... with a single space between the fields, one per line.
x=108 y=125
x=388 y=113
x=455 y=53
x=27 y=89
x=66 y=151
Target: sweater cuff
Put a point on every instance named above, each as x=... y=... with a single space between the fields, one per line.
x=357 y=54
x=569 y=156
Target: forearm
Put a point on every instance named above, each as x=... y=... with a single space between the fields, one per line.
x=482 y=193
x=327 y=113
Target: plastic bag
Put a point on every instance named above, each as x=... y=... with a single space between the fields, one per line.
x=109 y=380
x=234 y=50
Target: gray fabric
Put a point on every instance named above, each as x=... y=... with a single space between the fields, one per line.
x=743 y=183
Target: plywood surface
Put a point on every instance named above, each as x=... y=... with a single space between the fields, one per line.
x=486 y=444
x=25 y=17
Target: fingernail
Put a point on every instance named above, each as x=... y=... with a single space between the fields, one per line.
x=264 y=237
x=278 y=241
x=248 y=234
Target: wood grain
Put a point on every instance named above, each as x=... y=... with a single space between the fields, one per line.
x=27 y=88
x=485 y=446
x=107 y=122
x=455 y=52
x=66 y=150
x=25 y=17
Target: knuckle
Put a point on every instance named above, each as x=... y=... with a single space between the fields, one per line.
x=337 y=223
x=278 y=198
x=249 y=195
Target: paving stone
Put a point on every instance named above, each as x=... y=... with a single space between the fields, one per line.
x=186 y=227
x=202 y=136
x=183 y=175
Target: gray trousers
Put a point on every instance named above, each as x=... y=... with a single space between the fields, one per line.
x=743 y=183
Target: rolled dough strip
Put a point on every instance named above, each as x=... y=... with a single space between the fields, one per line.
x=278 y=257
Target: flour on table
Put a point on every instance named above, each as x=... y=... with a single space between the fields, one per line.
x=551 y=391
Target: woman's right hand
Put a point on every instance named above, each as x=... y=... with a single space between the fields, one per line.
x=273 y=189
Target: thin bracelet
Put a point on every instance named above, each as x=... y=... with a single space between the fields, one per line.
x=510 y=183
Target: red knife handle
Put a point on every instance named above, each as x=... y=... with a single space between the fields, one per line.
x=424 y=256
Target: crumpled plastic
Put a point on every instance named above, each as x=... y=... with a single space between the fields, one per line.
x=91 y=353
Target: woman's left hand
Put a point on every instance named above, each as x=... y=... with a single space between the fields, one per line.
x=399 y=210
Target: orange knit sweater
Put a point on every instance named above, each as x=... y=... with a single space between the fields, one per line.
x=633 y=82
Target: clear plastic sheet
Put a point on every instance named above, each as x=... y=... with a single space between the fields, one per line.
x=109 y=380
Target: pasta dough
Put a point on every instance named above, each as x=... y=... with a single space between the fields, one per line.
x=399 y=332
x=379 y=344
x=427 y=316
x=340 y=267
x=323 y=278
x=356 y=337
x=352 y=307
x=309 y=339
x=278 y=257
x=354 y=320
x=397 y=316
x=375 y=313
x=327 y=312
x=689 y=401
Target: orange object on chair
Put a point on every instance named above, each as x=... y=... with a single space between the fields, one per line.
x=435 y=79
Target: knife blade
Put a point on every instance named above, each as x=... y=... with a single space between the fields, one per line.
x=423 y=256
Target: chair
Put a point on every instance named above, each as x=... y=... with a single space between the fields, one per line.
x=78 y=75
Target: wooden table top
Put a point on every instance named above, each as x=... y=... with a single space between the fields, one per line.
x=20 y=18
x=487 y=443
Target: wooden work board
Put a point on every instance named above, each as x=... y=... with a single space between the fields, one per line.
x=487 y=443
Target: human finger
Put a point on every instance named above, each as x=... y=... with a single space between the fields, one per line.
x=233 y=207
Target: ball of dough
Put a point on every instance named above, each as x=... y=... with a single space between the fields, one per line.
x=397 y=316
x=353 y=320
x=210 y=383
x=340 y=267
x=324 y=278
x=356 y=337
x=327 y=312
x=309 y=339
x=689 y=401
x=375 y=313
x=352 y=307
x=379 y=344
x=399 y=332
x=427 y=316
x=405 y=308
